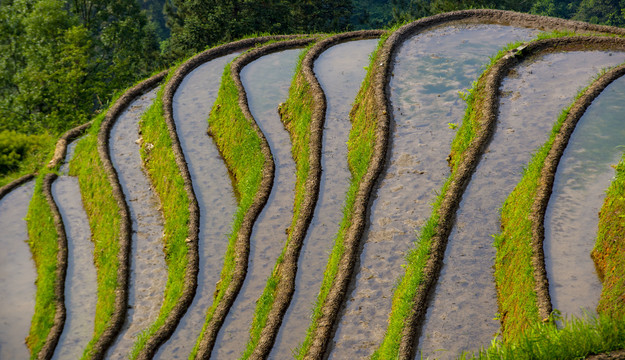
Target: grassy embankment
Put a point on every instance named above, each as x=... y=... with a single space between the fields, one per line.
x=296 y=114
x=417 y=258
x=44 y=246
x=22 y=154
x=104 y=221
x=159 y=161
x=360 y=147
x=240 y=147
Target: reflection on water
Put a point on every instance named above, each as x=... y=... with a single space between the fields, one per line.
x=17 y=274
x=148 y=271
x=266 y=82
x=460 y=316
x=340 y=70
x=80 y=282
x=583 y=175
x=192 y=103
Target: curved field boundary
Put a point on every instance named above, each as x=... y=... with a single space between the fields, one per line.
x=165 y=331
x=242 y=245
x=281 y=284
x=61 y=145
x=463 y=166
x=106 y=338
x=15 y=183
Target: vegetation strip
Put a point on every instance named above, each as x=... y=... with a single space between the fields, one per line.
x=405 y=319
x=248 y=158
x=609 y=250
x=109 y=220
x=303 y=115
x=523 y=217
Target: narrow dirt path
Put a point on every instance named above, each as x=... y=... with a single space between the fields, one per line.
x=461 y=314
x=429 y=70
x=81 y=280
x=17 y=274
x=192 y=103
x=266 y=82
x=340 y=70
x=583 y=175
x=148 y=271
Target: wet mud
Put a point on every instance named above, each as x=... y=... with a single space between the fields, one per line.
x=81 y=280
x=583 y=175
x=266 y=82
x=212 y=186
x=340 y=71
x=429 y=70
x=17 y=274
x=148 y=271
x=461 y=314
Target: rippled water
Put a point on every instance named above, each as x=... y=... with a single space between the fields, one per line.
x=266 y=82
x=583 y=175
x=148 y=271
x=461 y=314
x=340 y=70
x=212 y=186
x=80 y=282
x=17 y=274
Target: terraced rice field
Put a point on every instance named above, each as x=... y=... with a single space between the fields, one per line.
x=415 y=192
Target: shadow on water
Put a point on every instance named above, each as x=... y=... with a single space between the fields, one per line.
x=266 y=82
x=81 y=281
x=340 y=70
x=148 y=271
x=212 y=186
x=461 y=314
x=17 y=274
x=583 y=175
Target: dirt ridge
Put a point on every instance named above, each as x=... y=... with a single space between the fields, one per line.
x=6 y=189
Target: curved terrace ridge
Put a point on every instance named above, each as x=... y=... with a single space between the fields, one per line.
x=121 y=297
x=285 y=270
x=464 y=170
x=242 y=245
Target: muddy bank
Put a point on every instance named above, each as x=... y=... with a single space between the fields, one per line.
x=579 y=162
x=17 y=269
x=428 y=72
x=148 y=270
x=338 y=71
x=266 y=82
x=121 y=298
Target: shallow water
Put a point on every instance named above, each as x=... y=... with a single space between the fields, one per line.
x=461 y=315
x=148 y=271
x=17 y=274
x=583 y=175
x=340 y=70
x=80 y=282
x=266 y=82
x=212 y=186
x=429 y=71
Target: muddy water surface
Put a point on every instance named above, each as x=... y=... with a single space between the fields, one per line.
x=583 y=175
x=80 y=282
x=212 y=186
x=266 y=82
x=460 y=316
x=340 y=70
x=429 y=71
x=148 y=271
x=17 y=274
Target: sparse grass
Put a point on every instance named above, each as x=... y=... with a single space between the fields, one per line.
x=609 y=251
x=360 y=151
x=43 y=241
x=104 y=220
x=578 y=339
x=296 y=114
x=159 y=160
x=240 y=147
